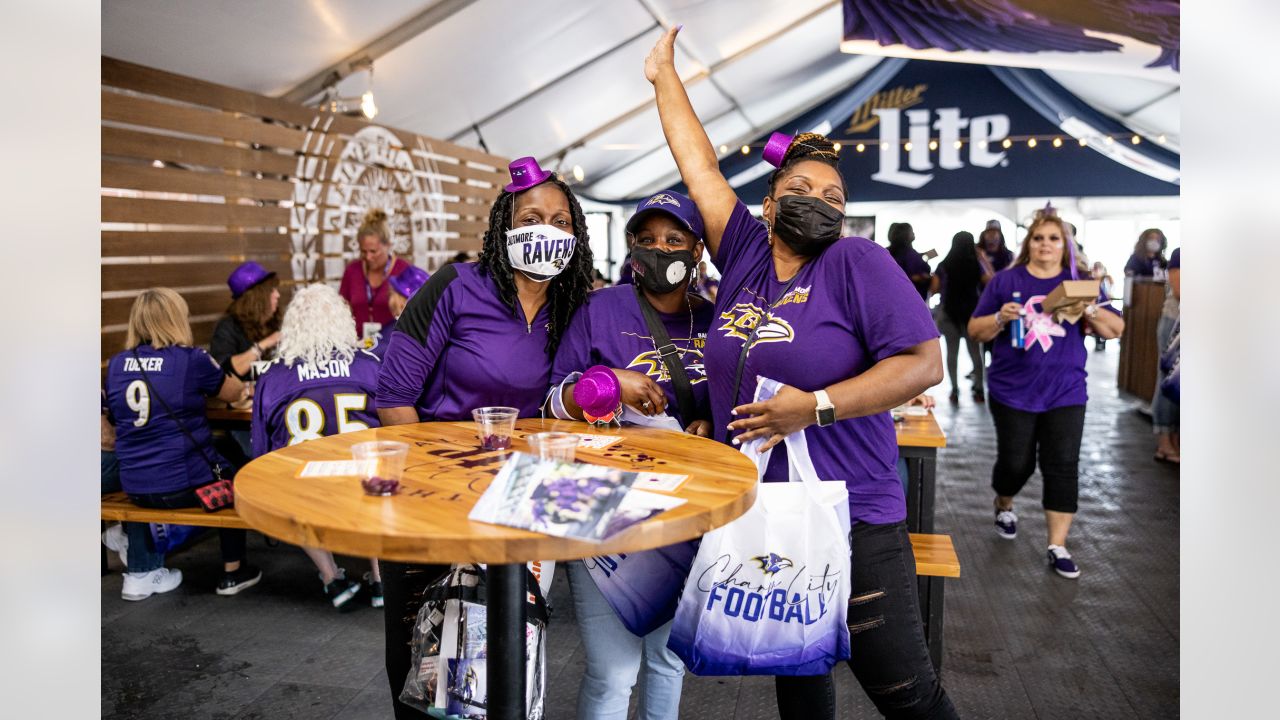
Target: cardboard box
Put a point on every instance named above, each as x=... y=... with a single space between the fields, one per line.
x=1067 y=301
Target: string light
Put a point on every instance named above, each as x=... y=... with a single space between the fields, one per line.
x=884 y=146
x=959 y=144
x=724 y=149
x=1083 y=142
x=1135 y=139
x=746 y=149
x=837 y=147
x=578 y=173
x=1031 y=143
x=1007 y=143
x=983 y=144
x=933 y=144
x=908 y=146
x=1161 y=139
x=1109 y=140
x=860 y=147
x=1057 y=142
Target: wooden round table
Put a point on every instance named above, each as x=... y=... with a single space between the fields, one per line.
x=426 y=522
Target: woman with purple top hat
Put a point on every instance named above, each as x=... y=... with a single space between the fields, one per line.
x=842 y=328
x=251 y=327
x=364 y=283
x=403 y=285
x=1037 y=382
x=481 y=334
x=622 y=331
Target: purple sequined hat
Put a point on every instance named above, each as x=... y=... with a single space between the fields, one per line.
x=245 y=277
x=525 y=173
x=776 y=149
x=409 y=280
x=674 y=204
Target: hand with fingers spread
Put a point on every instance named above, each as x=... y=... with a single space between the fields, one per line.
x=641 y=392
x=701 y=428
x=774 y=419
x=662 y=55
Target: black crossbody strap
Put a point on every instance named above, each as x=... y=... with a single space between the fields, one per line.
x=670 y=355
x=214 y=467
x=746 y=348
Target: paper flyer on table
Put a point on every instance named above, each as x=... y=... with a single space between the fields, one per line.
x=638 y=506
x=562 y=499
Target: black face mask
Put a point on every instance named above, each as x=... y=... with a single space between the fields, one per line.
x=661 y=272
x=806 y=224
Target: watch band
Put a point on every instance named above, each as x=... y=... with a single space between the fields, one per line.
x=825 y=412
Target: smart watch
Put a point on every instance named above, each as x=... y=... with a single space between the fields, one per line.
x=826 y=411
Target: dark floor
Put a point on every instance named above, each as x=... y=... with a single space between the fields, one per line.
x=1021 y=642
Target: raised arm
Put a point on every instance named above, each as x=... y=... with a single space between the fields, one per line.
x=695 y=157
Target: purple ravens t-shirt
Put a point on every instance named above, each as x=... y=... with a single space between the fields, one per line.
x=610 y=330
x=1050 y=372
x=458 y=346
x=155 y=455
x=847 y=309
x=304 y=401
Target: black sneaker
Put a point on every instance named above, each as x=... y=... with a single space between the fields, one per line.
x=342 y=593
x=375 y=590
x=243 y=579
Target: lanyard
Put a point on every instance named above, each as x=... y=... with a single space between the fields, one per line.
x=746 y=345
x=368 y=288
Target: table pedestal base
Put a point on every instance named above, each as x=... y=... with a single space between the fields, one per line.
x=505 y=627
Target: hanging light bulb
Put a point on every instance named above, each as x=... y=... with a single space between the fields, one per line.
x=959 y=144
x=724 y=149
x=578 y=173
x=860 y=147
x=933 y=144
x=1083 y=142
x=884 y=146
x=837 y=147
x=1135 y=139
x=367 y=106
x=908 y=146
x=1057 y=142
x=1109 y=140
x=1161 y=139
x=1007 y=143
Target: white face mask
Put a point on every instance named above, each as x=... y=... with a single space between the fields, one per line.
x=1153 y=246
x=540 y=251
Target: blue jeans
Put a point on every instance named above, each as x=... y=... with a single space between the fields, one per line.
x=613 y=659
x=140 y=557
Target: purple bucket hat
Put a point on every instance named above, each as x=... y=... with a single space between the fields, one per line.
x=409 y=280
x=678 y=206
x=776 y=149
x=245 y=277
x=525 y=173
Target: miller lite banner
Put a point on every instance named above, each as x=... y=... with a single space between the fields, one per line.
x=938 y=130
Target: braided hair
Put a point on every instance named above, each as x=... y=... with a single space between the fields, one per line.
x=808 y=146
x=568 y=289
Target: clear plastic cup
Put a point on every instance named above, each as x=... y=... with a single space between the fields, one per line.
x=554 y=445
x=494 y=425
x=382 y=465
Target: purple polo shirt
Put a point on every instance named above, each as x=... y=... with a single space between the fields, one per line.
x=1034 y=379
x=610 y=330
x=458 y=346
x=303 y=401
x=154 y=453
x=848 y=308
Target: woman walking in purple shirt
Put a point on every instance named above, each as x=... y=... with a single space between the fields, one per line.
x=839 y=324
x=481 y=334
x=1038 y=391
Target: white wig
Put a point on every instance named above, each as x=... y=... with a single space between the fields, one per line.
x=317 y=327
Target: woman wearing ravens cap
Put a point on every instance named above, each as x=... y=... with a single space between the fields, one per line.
x=615 y=330
x=838 y=324
x=480 y=334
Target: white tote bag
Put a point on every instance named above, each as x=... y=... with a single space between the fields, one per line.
x=768 y=593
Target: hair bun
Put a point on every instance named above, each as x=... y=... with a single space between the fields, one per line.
x=810 y=145
x=375 y=216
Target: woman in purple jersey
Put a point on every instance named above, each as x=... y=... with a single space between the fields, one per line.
x=839 y=324
x=481 y=334
x=1038 y=391
x=155 y=396
x=665 y=239
x=321 y=385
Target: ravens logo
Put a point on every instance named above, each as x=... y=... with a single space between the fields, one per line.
x=772 y=563
x=663 y=199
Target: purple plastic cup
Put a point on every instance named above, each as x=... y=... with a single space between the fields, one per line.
x=598 y=391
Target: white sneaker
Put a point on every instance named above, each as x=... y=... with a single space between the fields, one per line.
x=140 y=586
x=116 y=540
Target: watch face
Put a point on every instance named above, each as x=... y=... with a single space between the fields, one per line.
x=826 y=416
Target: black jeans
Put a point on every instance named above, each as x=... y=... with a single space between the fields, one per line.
x=1055 y=436
x=890 y=658
x=402 y=588
x=233 y=541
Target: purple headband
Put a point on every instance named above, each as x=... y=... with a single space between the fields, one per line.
x=525 y=173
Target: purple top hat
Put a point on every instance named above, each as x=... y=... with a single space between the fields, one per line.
x=525 y=173
x=245 y=277
x=776 y=149
x=409 y=280
x=598 y=392
x=678 y=206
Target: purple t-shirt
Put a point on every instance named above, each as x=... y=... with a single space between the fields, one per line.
x=1047 y=374
x=155 y=455
x=847 y=309
x=610 y=330
x=298 y=402
x=458 y=346
x=1175 y=260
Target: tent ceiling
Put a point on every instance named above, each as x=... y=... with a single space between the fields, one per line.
x=558 y=79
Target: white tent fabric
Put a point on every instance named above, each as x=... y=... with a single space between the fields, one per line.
x=557 y=79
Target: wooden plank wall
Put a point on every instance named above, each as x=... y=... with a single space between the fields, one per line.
x=199 y=177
